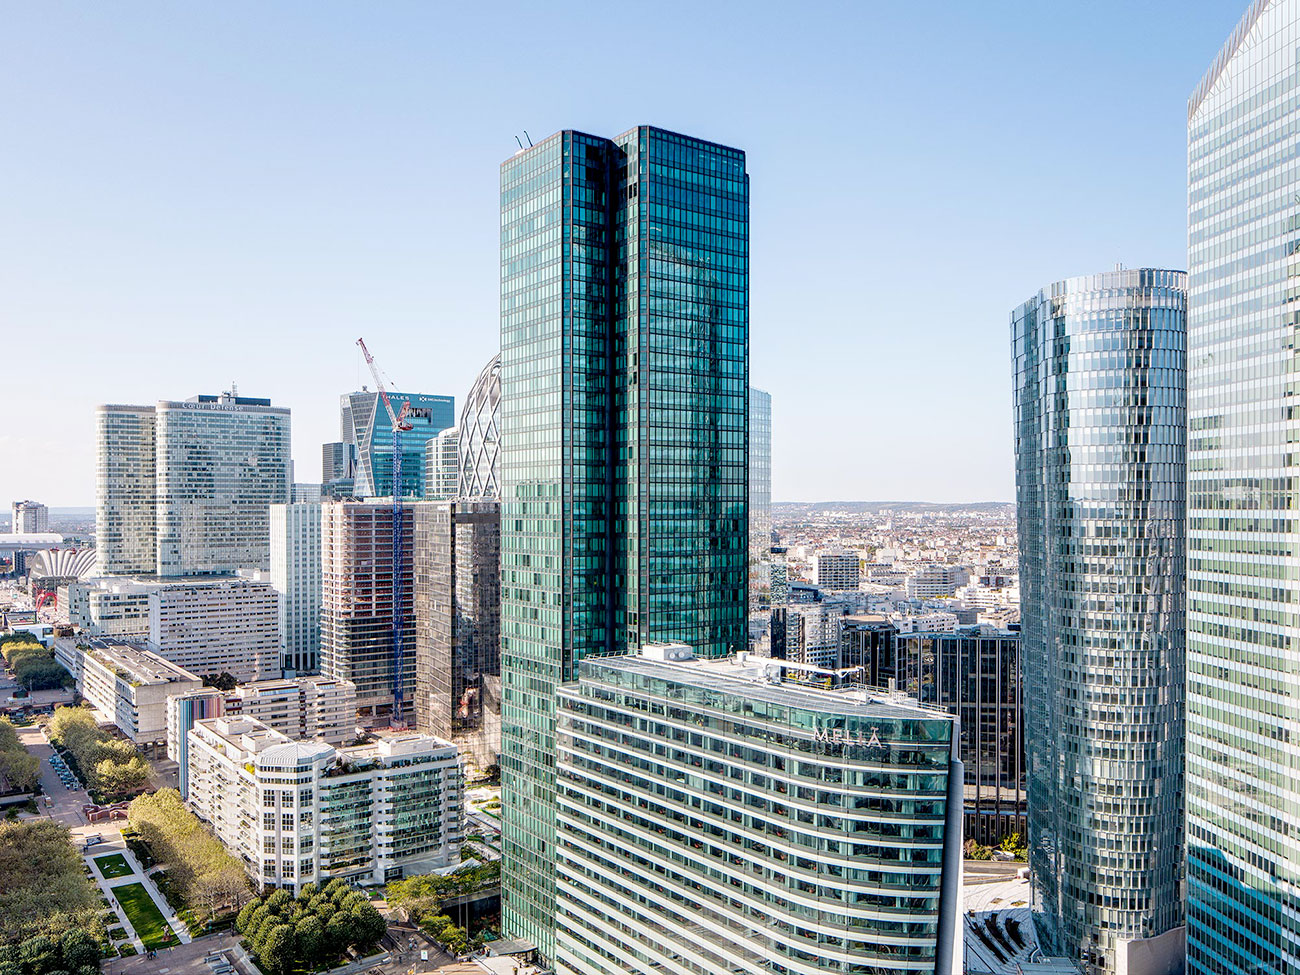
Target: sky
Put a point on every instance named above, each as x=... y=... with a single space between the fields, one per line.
x=197 y=195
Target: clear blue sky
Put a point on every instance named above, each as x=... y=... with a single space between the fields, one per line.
x=195 y=194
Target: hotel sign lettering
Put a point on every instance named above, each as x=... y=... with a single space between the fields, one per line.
x=838 y=736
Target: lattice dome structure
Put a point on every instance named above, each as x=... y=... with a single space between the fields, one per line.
x=480 y=437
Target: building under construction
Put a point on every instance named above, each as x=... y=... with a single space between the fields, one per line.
x=357 y=618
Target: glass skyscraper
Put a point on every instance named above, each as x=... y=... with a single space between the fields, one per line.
x=1243 y=572
x=1100 y=427
x=624 y=374
x=366 y=426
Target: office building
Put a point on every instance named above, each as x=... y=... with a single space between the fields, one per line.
x=760 y=494
x=624 y=418
x=338 y=470
x=357 y=595
x=299 y=708
x=867 y=641
x=974 y=674
x=442 y=466
x=366 y=426
x=836 y=569
x=1243 y=789
x=301 y=492
x=458 y=625
x=219 y=626
x=716 y=818
x=936 y=581
x=127 y=685
x=480 y=437
x=30 y=518
x=117 y=608
x=183 y=710
x=370 y=813
x=126 y=495
x=221 y=462
x=182 y=489
x=808 y=633
x=1100 y=425
x=295 y=576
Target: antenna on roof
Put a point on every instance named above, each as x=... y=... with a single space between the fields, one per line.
x=529 y=138
x=521 y=145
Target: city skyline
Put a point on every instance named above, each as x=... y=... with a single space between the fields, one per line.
x=167 y=230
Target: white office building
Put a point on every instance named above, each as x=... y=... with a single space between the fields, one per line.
x=442 y=466
x=183 y=488
x=301 y=811
x=128 y=685
x=117 y=608
x=126 y=496
x=296 y=575
x=217 y=626
x=713 y=817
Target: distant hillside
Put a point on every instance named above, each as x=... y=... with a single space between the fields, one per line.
x=804 y=508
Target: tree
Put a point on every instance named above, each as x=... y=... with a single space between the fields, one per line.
x=39 y=954
x=116 y=780
x=10 y=968
x=79 y=950
x=222 y=681
x=277 y=952
x=309 y=934
x=244 y=917
x=338 y=932
x=368 y=926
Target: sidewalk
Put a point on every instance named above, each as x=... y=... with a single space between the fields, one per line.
x=137 y=876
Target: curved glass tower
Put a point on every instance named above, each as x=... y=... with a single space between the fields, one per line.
x=1100 y=421
x=480 y=437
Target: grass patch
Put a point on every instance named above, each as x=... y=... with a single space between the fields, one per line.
x=144 y=916
x=126 y=951
x=113 y=866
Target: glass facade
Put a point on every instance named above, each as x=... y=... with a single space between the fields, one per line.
x=479 y=462
x=624 y=342
x=366 y=426
x=1243 y=610
x=221 y=462
x=458 y=625
x=760 y=494
x=125 y=490
x=712 y=820
x=1100 y=428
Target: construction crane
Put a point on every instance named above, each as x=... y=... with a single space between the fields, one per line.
x=400 y=424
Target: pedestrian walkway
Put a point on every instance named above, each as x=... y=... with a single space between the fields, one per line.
x=114 y=844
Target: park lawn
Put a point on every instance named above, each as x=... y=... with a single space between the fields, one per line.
x=144 y=916
x=113 y=866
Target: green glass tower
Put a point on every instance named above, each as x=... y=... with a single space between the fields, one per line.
x=624 y=372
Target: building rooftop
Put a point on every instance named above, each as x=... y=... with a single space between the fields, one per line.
x=139 y=666
x=762 y=679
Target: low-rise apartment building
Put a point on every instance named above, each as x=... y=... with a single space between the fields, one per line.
x=128 y=685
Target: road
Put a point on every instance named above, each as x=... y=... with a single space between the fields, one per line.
x=66 y=803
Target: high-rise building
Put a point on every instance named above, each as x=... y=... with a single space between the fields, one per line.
x=624 y=414
x=442 y=465
x=760 y=493
x=126 y=490
x=30 y=518
x=338 y=466
x=1243 y=601
x=221 y=462
x=480 y=437
x=367 y=428
x=217 y=626
x=296 y=575
x=974 y=674
x=357 y=573
x=183 y=710
x=458 y=625
x=370 y=813
x=808 y=633
x=1100 y=425
x=714 y=818
x=182 y=489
